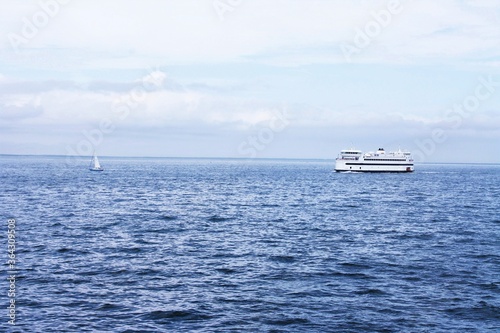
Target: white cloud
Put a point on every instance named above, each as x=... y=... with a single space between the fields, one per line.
x=126 y=34
x=152 y=101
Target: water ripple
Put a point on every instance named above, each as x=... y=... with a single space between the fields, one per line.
x=173 y=245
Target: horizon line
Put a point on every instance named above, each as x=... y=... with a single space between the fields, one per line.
x=228 y=158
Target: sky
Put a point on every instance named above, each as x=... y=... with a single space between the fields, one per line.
x=251 y=78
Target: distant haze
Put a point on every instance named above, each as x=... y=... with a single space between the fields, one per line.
x=251 y=78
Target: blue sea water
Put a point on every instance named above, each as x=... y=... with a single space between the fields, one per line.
x=214 y=245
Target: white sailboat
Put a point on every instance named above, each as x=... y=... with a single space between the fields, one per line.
x=94 y=164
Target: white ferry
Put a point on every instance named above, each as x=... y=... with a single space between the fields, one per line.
x=380 y=161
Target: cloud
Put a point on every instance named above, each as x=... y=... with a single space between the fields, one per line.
x=137 y=34
x=161 y=101
x=9 y=86
x=153 y=81
x=152 y=101
x=20 y=112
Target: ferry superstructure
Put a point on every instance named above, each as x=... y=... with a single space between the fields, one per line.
x=380 y=161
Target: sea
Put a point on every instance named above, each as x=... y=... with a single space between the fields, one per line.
x=241 y=245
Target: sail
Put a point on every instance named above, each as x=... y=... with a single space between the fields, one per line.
x=96 y=163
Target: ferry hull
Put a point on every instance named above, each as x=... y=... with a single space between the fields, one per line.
x=359 y=166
